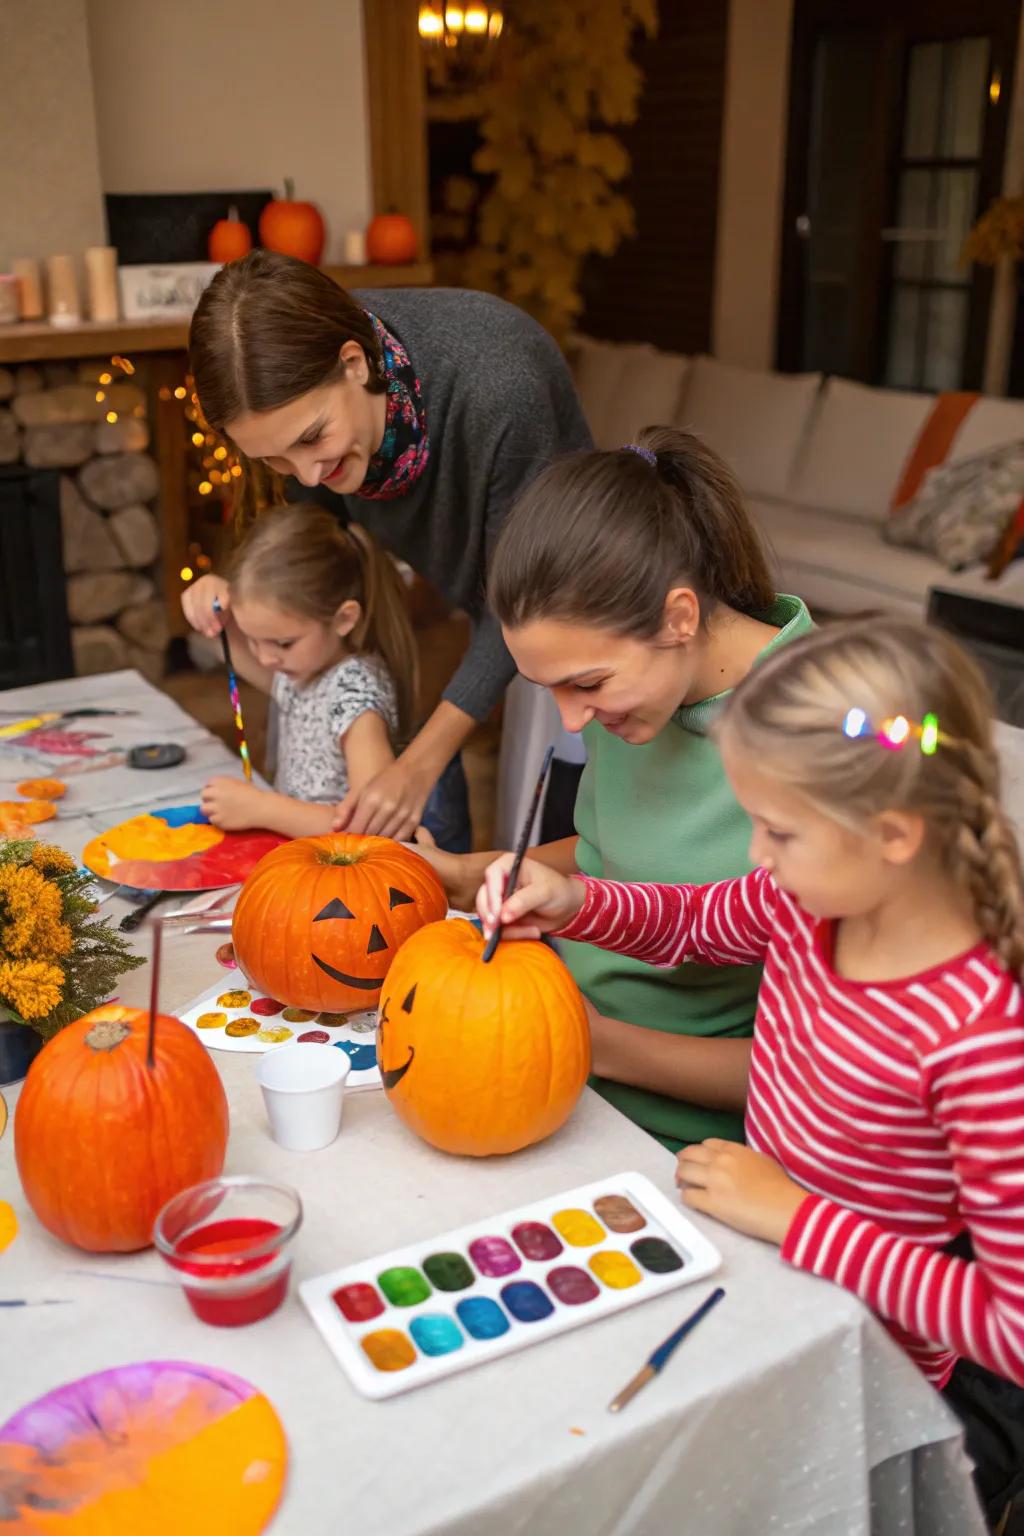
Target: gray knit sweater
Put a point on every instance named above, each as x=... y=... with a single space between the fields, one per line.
x=500 y=405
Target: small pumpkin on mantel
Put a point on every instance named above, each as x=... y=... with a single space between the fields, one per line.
x=229 y=239
x=112 y=1122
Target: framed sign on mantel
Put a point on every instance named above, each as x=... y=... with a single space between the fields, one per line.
x=168 y=291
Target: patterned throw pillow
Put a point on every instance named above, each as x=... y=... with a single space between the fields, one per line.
x=962 y=509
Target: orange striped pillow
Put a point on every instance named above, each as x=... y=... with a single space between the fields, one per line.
x=934 y=441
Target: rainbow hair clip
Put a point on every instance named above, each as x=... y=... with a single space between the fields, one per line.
x=896 y=730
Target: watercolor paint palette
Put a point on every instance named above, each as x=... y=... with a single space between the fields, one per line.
x=232 y=1016
x=429 y=1309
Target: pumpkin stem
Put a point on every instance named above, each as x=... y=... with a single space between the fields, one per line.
x=339 y=858
x=233 y=214
x=107 y=1035
x=289 y=189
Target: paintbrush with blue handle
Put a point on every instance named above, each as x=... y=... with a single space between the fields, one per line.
x=663 y=1353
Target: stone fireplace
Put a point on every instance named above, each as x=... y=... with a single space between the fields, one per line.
x=90 y=422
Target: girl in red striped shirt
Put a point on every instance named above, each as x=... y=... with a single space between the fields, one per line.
x=885 y=1112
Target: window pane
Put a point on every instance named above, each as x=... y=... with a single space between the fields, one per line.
x=904 y=321
x=945 y=320
x=924 y=98
x=939 y=201
x=947 y=86
x=964 y=97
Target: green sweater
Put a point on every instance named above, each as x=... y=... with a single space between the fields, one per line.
x=665 y=812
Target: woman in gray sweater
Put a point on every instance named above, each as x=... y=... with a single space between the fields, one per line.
x=424 y=412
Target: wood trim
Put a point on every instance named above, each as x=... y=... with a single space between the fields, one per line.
x=396 y=108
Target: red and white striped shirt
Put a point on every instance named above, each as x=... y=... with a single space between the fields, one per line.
x=898 y=1105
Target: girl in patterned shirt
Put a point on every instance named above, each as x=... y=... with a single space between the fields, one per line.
x=885 y=1107
x=316 y=616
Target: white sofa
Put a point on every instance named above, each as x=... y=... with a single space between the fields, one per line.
x=818 y=459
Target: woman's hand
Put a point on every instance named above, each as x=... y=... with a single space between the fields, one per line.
x=197 y=604
x=232 y=804
x=745 y=1189
x=547 y=899
x=389 y=805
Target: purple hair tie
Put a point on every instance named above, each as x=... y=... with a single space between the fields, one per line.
x=647 y=454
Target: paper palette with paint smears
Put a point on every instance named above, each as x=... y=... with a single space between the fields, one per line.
x=176 y=850
x=160 y=1447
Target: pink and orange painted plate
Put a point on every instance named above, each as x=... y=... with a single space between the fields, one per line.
x=176 y=850
x=161 y=1447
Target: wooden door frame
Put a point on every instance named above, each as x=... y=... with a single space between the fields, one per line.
x=396 y=110
x=936 y=19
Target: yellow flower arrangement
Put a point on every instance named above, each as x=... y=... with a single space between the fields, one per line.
x=998 y=233
x=56 y=961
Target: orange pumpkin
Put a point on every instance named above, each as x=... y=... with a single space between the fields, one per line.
x=320 y=919
x=229 y=238
x=391 y=240
x=103 y=1140
x=481 y=1058
x=293 y=228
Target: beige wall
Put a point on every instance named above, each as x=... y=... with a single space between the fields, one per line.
x=752 y=182
x=196 y=96
x=49 y=171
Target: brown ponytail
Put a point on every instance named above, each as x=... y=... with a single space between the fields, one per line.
x=385 y=626
x=267 y=330
x=600 y=537
x=302 y=559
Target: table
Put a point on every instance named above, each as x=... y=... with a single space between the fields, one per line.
x=790 y=1410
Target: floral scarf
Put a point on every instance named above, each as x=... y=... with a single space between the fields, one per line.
x=405 y=449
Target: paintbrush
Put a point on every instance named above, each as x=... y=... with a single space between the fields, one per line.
x=236 y=703
x=524 y=838
x=47 y=1301
x=664 y=1351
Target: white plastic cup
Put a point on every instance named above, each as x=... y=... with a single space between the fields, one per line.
x=303 y=1089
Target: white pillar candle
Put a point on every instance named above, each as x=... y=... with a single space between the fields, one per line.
x=101 y=280
x=31 y=284
x=355 y=248
x=62 y=291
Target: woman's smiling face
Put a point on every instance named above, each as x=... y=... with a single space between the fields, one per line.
x=325 y=437
x=631 y=687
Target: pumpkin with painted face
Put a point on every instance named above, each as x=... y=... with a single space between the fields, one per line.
x=320 y=919
x=480 y=1059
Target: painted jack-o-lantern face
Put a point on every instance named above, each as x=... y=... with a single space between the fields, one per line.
x=319 y=920
x=480 y=1058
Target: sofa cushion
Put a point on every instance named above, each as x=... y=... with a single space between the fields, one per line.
x=841 y=565
x=859 y=441
x=624 y=388
x=963 y=508
x=756 y=421
x=990 y=424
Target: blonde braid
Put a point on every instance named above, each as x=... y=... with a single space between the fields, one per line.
x=985 y=857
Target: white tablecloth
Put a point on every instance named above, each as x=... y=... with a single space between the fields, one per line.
x=789 y=1410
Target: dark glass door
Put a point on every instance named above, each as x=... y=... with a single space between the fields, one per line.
x=897 y=132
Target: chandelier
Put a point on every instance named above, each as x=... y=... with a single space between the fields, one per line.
x=459 y=41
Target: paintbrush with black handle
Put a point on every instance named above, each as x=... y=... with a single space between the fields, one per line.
x=524 y=838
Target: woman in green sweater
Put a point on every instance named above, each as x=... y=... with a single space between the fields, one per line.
x=634 y=585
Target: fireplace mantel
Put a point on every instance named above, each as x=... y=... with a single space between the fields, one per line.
x=31 y=342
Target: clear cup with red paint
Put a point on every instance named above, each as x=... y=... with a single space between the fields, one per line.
x=229 y=1241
